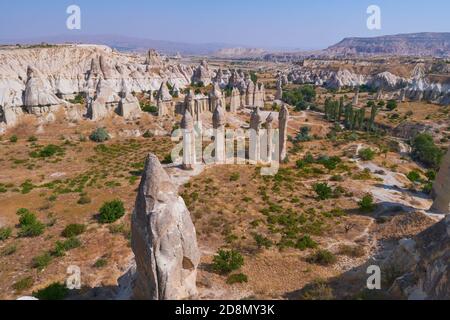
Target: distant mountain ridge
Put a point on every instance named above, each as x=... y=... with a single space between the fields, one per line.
x=414 y=44
x=129 y=44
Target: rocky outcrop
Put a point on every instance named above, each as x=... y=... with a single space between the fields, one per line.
x=424 y=265
x=38 y=92
x=441 y=188
x=202 y=75
x=216 y=97
x=154 y=59
x=104 y=102
x=44 y=78
x=129 y=107
x=235 y=100
x=414 y=44
x=163 y=239
x=283 y=127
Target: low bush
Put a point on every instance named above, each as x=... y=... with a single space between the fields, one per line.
x=306 y=242
x=29 y=224
x=367 y=154
x=322 y=257
x=323 y=191
x=367 y=203
x=55 y=291
x=237 y=278
x=23 y=284
x=111 y=211
x=73 y=230
x=99 y=135
x=227 y=261
x=5 y=233
x=42 y=261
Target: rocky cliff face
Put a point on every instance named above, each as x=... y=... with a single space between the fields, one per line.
x=418 y=44
x=423 y=263
x=416 y=87
x=163 y=239
x=43 y=77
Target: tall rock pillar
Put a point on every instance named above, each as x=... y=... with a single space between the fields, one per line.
x=163 y=239
x=187 y=127
x=283 y=126
x=441 y=188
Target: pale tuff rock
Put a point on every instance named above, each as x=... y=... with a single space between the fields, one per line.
x=423 y=263
x=129 y=107
x=9 y=115
x=164 y=93
x=268 y=154
x=235 y=101
x=66 y=70
x=255 y=138
x=37 y=91
x=283 y=127
x=259 y=95
x=189 y=146
x=164 y=100
x=202 y=75
x=356 y=98
x=441 y=188
x=219 y=134
x=279 y=94
x=154 y=59
x=216 y=97
x=250 y=93
x=379 y=95
x=163 y=239
x=104 y=102
x=189 y=102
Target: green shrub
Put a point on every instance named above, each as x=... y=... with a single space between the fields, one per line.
x=367 y=203
x=55 y=291
x=62 y=247
x=13 y=139
x=237 y=278
x=414 y=176
x=147 y=134
x=306 y=242
x=99 y=135
x=235 y=176
x=23 y=284
x=111 y=211
x=322 y=257
x=227 y=261
x=426 y=151
x=73 y=230
x=84 y=199
x=367 y=154
x=262 y=242
x=323 y=191
x=391 y=105
x=149 y=108
x=100 y=263
x=42 y=261
x=9 y=250
x=29 y=224
x=48 y=152
x=5 y=233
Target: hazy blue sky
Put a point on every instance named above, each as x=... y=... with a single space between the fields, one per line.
x=268 y=23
